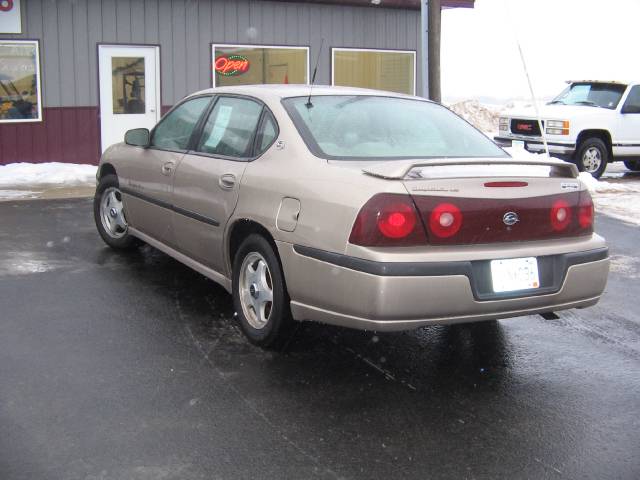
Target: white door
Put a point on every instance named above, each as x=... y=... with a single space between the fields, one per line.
x=129 y=90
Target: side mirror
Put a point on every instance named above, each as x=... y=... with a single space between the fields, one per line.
x=138 y=137
x=630 y=109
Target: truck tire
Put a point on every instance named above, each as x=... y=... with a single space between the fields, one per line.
x=592 y=156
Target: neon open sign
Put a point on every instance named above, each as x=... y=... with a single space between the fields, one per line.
x=230 y=65
x=6 y=5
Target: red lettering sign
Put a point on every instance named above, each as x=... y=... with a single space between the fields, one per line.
x=229 y=65
x=524 y=126
x=6 y=5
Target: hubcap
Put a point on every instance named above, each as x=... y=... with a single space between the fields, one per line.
x=256 y=290
x=112 y=213
x=592 y=159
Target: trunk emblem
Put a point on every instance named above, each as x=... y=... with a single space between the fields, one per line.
x=510 y=218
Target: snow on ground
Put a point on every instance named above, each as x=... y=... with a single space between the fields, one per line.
x=30 y=174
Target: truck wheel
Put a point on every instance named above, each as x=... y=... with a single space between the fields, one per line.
x=260 y=294
x=633 y=165
x=592 y=157
x=109 y=215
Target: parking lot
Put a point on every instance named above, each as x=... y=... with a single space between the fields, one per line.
x=130 y=366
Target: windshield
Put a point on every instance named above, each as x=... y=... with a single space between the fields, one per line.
x=363 y=127
x=604 y=95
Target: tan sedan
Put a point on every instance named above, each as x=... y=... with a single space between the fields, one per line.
x=353 y=207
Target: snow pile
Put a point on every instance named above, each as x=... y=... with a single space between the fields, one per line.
x=483 y=117
x=67 y=174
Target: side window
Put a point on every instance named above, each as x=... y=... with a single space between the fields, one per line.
x=230 y=128
x=174 y=131
x=267 y=133
x=633 y=100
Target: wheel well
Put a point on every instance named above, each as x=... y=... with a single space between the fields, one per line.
x=240 y=230
x=106 y=169
x=603 y=135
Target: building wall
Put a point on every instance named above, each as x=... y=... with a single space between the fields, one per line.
x=69 y=31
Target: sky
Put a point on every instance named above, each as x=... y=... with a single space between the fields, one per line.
x=560 y=40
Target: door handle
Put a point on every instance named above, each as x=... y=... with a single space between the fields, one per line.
x=167 y=168
x=227 y=181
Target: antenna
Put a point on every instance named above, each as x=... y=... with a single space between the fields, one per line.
x=313 y=78
x=526 y=71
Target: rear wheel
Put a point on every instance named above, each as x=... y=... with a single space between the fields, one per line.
x=108 y=213
x=259 y=293
x=633 y=165
x=592 y=156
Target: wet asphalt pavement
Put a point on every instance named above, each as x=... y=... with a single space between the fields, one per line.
x=117 y=366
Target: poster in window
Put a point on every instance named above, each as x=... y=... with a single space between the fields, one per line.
x=10 y=18
x=20 y=98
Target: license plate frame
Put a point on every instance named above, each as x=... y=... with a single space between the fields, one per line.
x=514 y=274
x=518 y=144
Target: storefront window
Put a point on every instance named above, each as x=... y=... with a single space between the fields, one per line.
x=128 y=84
x=249 y=65
x=390 y=70
x=19 y=81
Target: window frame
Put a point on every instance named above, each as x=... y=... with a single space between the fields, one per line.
x=376 y=50
x=213 y=46
x=211 y=97
x=40 y=117
x=199 y=130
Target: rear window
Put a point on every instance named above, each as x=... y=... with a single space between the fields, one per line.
x=361 y=127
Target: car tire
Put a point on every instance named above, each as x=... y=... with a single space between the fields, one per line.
x=592 y=156
x=109 y=215
x=260 y=294
x=633 y=165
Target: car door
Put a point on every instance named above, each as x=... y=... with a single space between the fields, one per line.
x=628 y=141
x=206 y=183
x=149 y=179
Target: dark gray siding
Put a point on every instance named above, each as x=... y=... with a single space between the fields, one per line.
x=69 y=31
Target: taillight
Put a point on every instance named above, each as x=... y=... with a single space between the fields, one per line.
x=585 y=211
x=560 y=215
x=388 y=220
x=445 y=220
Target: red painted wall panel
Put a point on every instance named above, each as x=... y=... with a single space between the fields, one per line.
x=66 y=134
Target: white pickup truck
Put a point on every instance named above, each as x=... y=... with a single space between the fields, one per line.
x=590 y=123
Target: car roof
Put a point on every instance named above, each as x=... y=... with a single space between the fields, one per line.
x=279 y=91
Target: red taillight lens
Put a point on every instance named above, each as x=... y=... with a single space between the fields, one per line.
x=445 y=220
x=585 y=211
x=397 y=220
x=388 y=220
x=560 y=215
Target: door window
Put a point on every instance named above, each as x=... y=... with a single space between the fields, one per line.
x=267 y=133
x=230 y=128
x=633 y=100
x=128 y=85
x=174 y=131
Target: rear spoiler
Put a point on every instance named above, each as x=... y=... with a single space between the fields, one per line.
x=419 y=169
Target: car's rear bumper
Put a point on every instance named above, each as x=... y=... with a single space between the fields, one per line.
x=384 y=296
x=536 y=144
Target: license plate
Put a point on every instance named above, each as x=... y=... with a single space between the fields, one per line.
x=513 y=274
x=517 y=144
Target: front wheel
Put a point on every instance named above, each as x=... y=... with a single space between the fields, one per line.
x=592 y=157
x=633 y=165
x=259 y=293
x=108 y=212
